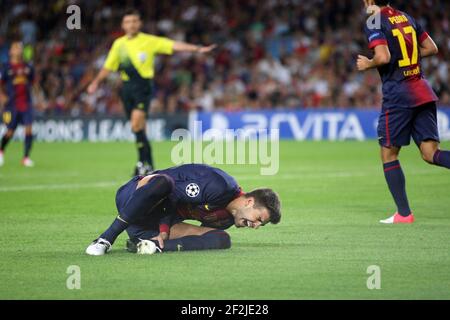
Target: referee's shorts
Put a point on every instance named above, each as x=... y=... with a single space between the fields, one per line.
x=137 y=95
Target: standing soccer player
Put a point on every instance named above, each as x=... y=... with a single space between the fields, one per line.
x=16 y=77
x=409 y=102
x=133 y=55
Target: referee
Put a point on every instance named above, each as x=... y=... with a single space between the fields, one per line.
x=133 y=55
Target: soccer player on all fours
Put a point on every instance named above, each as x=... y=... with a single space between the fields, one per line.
x=409 y=102
x=154 y=208
x=133 y=55
x=16 y=78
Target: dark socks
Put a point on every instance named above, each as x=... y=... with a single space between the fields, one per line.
x=215 y=239
x=143 y=146
x=116 y=228
x=4 y=143
x=397 y=185
x=28 y=144
x=442 y=159
x=142 y=201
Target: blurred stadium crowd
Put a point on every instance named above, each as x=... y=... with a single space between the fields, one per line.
x=272 y=53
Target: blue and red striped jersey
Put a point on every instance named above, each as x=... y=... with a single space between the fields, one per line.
x=17 y=80
x=404 y=85
x=202 y=193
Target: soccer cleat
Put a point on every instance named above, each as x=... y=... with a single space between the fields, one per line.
x=398 y=219
x=142 y=169
x=2 y=159
x=131 y=246
x=27 y=162
x=98 y=247
x=148 y=169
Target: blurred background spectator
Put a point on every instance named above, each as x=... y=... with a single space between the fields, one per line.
x=272 y=53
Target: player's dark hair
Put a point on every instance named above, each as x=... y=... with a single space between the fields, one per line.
x=269 y=199
x=131 y=12
x=382 y=2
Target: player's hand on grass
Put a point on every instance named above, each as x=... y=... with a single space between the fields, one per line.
x=207 y=49
x=363 y=63
x=161 y=238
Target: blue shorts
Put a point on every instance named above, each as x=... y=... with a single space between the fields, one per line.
x=396 y=126
x=12 y=118
x=147 y=227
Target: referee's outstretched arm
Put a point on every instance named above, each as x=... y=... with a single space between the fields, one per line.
x=177 y=47
x=186 y=47
x=131 y=25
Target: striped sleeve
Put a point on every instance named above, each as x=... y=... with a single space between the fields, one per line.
x=375 y=37
x=422 y=35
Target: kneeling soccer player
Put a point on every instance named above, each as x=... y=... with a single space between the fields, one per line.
x=153 y=208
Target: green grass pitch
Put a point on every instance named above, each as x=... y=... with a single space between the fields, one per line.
x=333 y=196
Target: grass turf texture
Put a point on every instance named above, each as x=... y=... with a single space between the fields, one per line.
x=333 y=196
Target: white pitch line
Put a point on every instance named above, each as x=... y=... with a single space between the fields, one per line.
x=305 y=175
x=108 y=184
x=66 y=186
x=312 y=175
x=74 y=186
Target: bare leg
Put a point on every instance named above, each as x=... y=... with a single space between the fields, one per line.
x=432 y=154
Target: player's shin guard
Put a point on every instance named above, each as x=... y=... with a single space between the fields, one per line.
x=397 y=185
x=212 y=240
x=140 y=203
x=144 y=149
x=442 y=159
x=28 y=145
